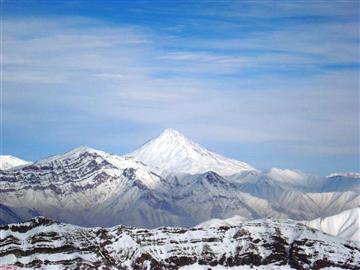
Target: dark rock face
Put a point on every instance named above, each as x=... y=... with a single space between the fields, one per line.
x=42 y=242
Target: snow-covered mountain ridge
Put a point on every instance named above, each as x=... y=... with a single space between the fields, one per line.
x=346 y=174
x=345 y=225
x=78 y=168
x=8 y=162
x=82 y=185
x=217 y=223
x=266 y=243
x=89 y=187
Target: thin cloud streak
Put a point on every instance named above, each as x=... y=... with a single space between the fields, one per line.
x=267 y=86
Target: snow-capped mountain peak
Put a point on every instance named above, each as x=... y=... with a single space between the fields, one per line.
x=8 y=162
x=172 y=152
x=171 y=133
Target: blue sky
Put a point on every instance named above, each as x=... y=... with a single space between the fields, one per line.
x=272 y=83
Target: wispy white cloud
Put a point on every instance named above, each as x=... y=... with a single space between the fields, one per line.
x=260 y=87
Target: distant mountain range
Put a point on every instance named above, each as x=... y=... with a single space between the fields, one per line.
x=169 y=181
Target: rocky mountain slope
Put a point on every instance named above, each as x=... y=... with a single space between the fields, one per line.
x=271 y=244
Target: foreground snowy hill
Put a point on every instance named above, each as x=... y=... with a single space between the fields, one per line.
x=8 y=162
x=265 y=243
x=173 y=153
